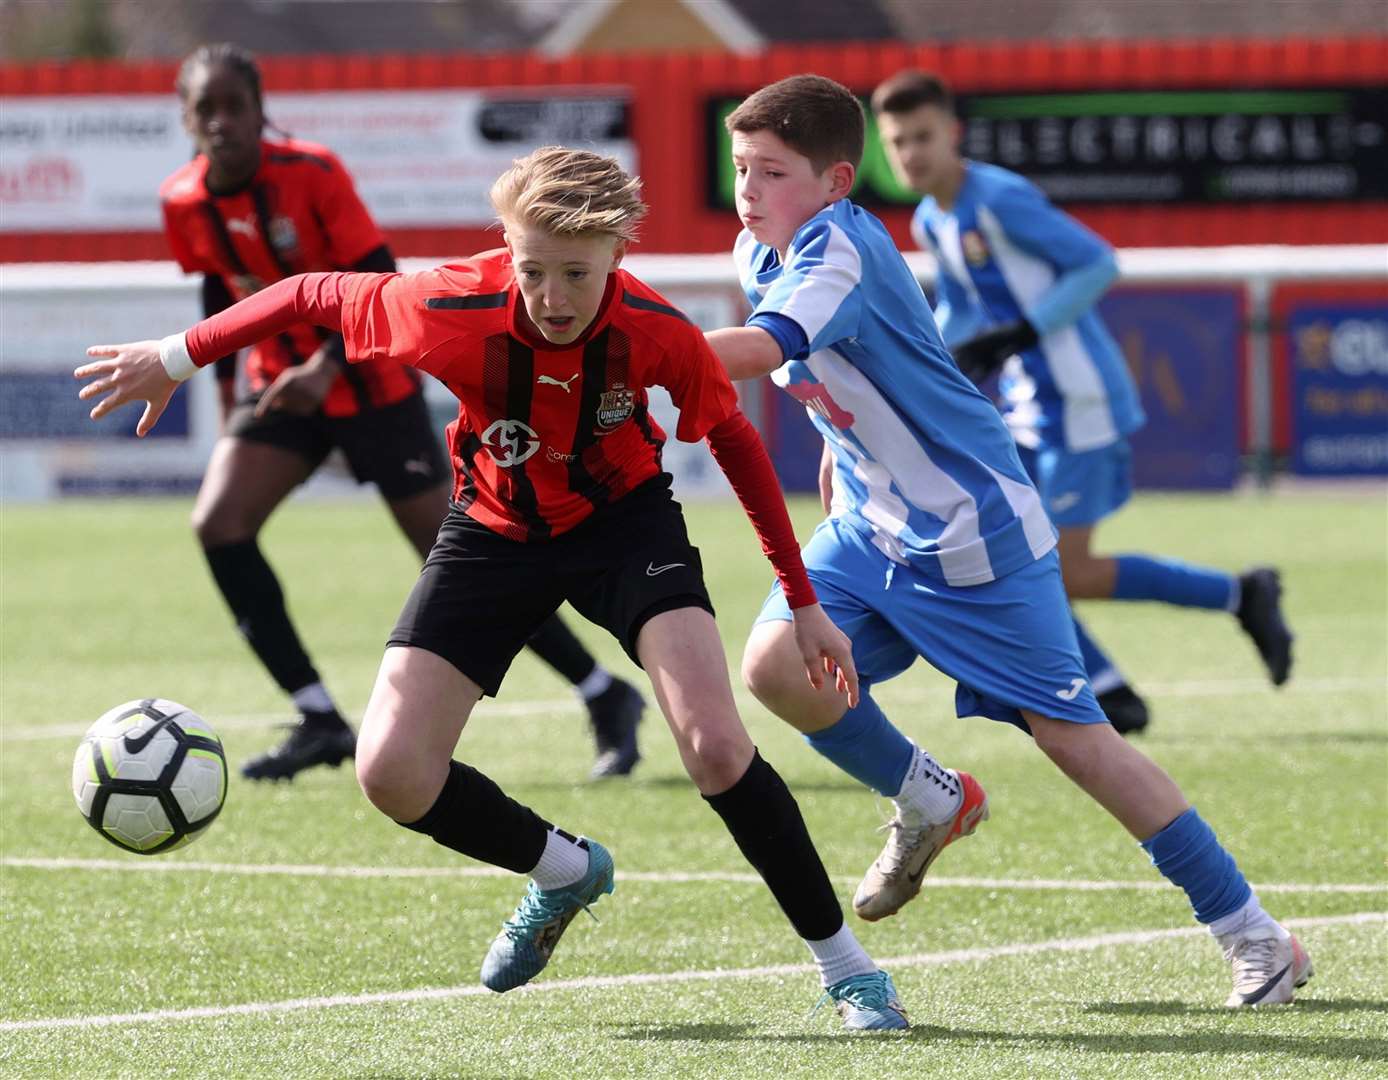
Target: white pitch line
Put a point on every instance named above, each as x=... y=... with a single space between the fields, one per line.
x=393 y=997
x=655 y=876
x=1200 y=688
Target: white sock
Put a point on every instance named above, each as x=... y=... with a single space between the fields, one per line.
x=313 y=698
x=1235 y=597
x=930 y=793
x=564 y=861
x=1249 y=917
x=840 y=956
x=598 y=680
x=1108 y=679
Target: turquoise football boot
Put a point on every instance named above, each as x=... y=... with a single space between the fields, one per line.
x=868 y=1003
x=527 y=938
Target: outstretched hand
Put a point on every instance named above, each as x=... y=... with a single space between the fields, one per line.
x=826 y=650
x=131 y=372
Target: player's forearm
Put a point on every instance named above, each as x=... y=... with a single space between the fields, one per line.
x=738 y=450
x=748 y=352
x=217 y=297
x=1074 y=293
x=314 y=298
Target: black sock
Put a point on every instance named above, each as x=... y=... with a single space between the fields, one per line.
x=253 y=593
x=474 y=816
x=765 y=821
x=555 y=644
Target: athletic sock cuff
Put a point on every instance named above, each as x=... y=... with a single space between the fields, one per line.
x=866 y=745
x=1189 y=855
x=747 y=796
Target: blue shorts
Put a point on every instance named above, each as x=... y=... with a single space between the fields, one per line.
x=1009 y=644
x=1084 y=488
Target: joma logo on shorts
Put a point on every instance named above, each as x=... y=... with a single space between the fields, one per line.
x=1076 y=685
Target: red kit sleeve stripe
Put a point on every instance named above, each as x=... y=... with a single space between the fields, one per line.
x=314 y=298
x=740 y=454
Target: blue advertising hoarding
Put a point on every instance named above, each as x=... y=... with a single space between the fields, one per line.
x=1336 y=345
x=44 y=405
x=1185 y=347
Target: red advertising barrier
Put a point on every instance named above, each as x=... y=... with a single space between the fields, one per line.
x=671 y=93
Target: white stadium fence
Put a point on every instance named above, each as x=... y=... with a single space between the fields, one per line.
x=50 y=312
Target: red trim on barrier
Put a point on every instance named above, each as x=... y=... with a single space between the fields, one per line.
x=669 y=90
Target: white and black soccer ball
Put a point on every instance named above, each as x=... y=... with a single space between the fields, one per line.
x=150 y=776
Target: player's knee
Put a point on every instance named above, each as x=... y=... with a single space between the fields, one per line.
x=215 y=526
x=1074 y=748
x=767 y=676
x=391 y=782
x=716 y=760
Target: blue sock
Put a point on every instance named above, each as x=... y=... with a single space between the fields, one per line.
x=1142 y=577
x=1103 y=673
x=866 y=746
x=1188 y=855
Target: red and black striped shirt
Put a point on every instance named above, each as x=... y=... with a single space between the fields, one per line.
x=300 y=212
x=545 y=433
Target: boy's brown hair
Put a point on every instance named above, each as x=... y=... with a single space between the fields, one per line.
x=570 y=193
x=812 y=115
x=909 y=90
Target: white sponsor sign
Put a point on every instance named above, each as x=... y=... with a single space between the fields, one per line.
x=74 y=164
x=420 y=158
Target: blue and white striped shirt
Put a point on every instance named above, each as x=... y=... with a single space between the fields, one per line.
x=922 y=462
x=1005 y=253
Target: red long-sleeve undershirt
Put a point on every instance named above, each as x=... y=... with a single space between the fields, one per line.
x=738 y=450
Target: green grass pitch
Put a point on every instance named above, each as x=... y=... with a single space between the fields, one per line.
x=306 y=936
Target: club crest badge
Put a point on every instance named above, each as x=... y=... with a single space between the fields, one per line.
x=283 y=236
x=975 y=249
x=615 y=406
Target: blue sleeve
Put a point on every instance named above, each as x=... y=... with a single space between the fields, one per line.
x=1084 y=264
x=788 y=333
x=818 y=289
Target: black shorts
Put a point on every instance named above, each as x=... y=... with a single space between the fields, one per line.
x=480 y=597
x=393 y=447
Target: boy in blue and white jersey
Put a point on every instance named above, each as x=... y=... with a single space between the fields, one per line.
x=1017 y=288
x=936 y=544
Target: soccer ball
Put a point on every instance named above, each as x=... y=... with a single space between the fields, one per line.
x=150 y=776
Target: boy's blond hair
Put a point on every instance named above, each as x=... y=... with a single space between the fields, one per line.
x=570 y=193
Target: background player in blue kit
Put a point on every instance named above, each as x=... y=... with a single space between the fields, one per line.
x=937 y=544
x=1018 y=284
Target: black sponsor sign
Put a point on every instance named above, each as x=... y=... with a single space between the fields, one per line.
x=1168 y=146
x=555 y=120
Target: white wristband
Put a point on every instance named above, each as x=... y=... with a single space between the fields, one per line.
x=173 y=354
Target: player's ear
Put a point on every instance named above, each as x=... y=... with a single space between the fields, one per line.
x=190 y=123
x=619 y=250
x=841 y=175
